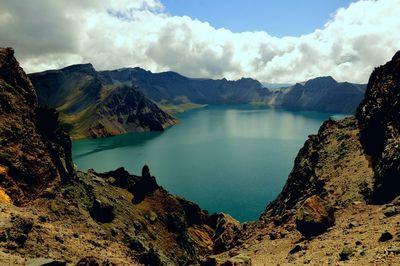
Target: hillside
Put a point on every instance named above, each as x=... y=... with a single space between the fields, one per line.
x=90 y=108
x=340 y=204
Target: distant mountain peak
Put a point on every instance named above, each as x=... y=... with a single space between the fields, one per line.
x=321 y=81
x=85 y=68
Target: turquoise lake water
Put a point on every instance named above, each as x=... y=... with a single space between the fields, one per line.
x=232 y=159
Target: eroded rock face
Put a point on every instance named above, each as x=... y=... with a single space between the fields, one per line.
x=379 y=119
x=33 y=156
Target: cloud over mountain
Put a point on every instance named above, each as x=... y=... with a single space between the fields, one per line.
x=52 y=34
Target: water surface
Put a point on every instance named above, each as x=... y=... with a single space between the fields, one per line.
x=233 y=159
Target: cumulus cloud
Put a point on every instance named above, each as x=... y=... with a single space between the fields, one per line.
x=113 y=34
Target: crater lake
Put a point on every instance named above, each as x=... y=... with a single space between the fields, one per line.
x=232 y=159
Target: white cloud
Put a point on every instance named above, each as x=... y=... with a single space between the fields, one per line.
x=112 y=34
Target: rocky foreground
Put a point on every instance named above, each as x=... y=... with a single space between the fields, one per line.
x=340 y=204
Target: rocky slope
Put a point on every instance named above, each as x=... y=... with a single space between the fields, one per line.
x=53 y=215
x=91 y=108
x=324 y=215
x=35 y=153
x=378 y=117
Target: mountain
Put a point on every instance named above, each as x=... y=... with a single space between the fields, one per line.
x=90 y=107
x=104 y=103
x=52 y=214
x=35 y=153
x=341 y=201
x=175 y=88
x=320 y=94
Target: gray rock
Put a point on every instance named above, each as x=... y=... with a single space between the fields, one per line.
x=386 y=236
x=239 y=260
x=346 y=253
x=296 y=249
x=45 y=262
x=395 y=250
x=391 y=211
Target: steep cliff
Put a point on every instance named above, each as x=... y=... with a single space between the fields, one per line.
x=379 y=119
x=32 y=160
x=90 y=108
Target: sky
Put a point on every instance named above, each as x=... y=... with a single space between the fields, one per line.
x=277 y=17
x=272 y=41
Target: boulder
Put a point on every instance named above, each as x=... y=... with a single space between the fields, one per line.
x=313 y=217
x=102 y=211
x=226 y=231
x=238 y=260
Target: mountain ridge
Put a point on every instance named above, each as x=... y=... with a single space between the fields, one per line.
x=90 y=108
x=77 y=91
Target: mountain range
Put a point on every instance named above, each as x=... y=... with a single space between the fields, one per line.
x=340 y=204
x=103 y=103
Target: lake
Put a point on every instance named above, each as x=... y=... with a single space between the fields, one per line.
x=232 y=159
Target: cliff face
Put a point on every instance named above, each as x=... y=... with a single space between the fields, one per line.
x=331 y=164
x=375 y=137
x=32 y=162
x=90 y=108
x=378 y=117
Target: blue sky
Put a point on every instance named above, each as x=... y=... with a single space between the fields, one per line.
x=276 y=17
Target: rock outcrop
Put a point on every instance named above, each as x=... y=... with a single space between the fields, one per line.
x=314 y=217
x=89 y=107
x=378 y=117
x=331 y=164
x=35 y=154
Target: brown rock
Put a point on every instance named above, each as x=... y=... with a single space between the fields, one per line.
x=313 y=217
x=35 y=157
x=226 y=231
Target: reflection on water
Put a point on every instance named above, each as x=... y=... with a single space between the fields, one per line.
x=230 y=159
